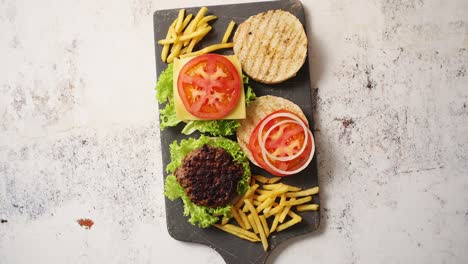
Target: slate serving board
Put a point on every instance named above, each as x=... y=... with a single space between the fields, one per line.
x=296 y=89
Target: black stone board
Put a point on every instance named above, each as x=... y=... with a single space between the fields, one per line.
x=296 y=89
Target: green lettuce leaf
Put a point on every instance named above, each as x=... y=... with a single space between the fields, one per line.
x=164 y=94
x=250 y=95
x=201 y=215
x=213 y=127
x=164 y=90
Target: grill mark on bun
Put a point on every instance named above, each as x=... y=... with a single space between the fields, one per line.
x=265 y=57
x=272 y=46
x=279 y=56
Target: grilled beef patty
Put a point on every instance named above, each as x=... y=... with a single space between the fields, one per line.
x=209 y=176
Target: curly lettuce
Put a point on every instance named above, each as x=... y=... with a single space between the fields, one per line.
x=165 y=95
x=201 y=215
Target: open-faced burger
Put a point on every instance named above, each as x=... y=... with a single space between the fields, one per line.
x=276 y=136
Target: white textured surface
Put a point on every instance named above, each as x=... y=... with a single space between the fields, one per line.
x=79 y=134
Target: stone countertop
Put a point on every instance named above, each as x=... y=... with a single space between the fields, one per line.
x=79 y=133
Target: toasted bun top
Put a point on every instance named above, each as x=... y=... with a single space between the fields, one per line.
x=272 y=46
x=258 y=110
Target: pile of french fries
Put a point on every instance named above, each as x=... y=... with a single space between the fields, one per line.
x=271 y=199
x=185 y=32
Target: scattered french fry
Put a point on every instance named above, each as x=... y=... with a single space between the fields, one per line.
x=258 y=224
x=288 y=224
x=239 y=232
x=185 y=32
x=275 y=223
x=228 y=31
x=180 y=20
x=264 y=225
x=307 y=207
x=265 y=204
x=298 y=201
x=224 y=220
x=206 y=19
x=247 y=195
x=208 y=49
x=279 y=190
x=165 y=49
x=252 y=223
x=268 y=197
x=266 y=180
x=307 y=192
x=244 y=219
x=236 y=216
x=284 y=213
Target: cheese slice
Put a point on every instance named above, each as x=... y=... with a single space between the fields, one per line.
x=237 y=113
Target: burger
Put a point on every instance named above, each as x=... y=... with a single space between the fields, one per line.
x=276 y=136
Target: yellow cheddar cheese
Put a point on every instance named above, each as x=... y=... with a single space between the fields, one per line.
x=237 y=113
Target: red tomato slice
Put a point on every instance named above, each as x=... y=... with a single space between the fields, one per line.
x=209 y=86
x=284 y=141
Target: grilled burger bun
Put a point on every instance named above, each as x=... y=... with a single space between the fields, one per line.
x=256 y=112
x=272 y=46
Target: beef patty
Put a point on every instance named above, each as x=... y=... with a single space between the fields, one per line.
x=209 y=176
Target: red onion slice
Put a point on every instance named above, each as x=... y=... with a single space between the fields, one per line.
x=279 y=171
x=265 y=137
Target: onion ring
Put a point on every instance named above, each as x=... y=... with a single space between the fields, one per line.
x=273 y=157
x=267 y=162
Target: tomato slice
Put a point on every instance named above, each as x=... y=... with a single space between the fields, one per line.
x=209 y=86
x=285 y=140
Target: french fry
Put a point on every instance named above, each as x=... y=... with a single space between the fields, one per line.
x=307 y=192
x=307 y=207
x=288 y=224
x=292 y=202
x=174 y=52
x=205 y=20
x=208 y=49
x=272 y=186
x=260 y=191
x=264 y=225
x=192 y=26
x=273 y=211
x=277 y=185
x=252 y=223
x=228 y=31
x=257 y=222
x=247 y=195
x=165 y=49
x=285 y=211
x=277 y=209
x=194 y=42
x=275 y=223
x=266 y=210
x=239 y=232
x=279 y=190
x=244 y=219
x=236 y=216
x=195 y=34
x=266 y=180
x=185 y=23
x=180 y=20
x=224 y=220
x=293 y=214
x=245 y=209
x=265 y=204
